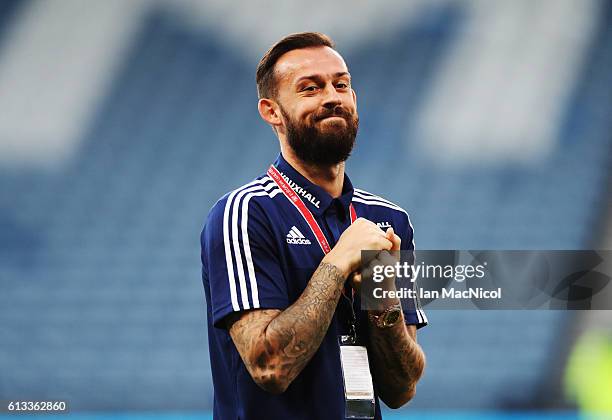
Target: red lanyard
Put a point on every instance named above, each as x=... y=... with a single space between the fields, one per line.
x=299 y=204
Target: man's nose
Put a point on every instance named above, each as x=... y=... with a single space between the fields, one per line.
x=331 y=98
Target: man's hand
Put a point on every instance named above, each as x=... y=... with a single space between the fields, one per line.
x=360 y=236
x=383 y=258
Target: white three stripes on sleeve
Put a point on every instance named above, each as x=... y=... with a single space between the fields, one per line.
x=233 y=248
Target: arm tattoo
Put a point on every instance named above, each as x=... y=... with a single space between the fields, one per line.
x=397 y=362
x=275 y=346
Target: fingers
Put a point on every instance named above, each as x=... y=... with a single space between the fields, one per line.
x=364 y=235
x=385 y=258
x=384 y=244
x=380 y=239
x=396 y=240
x=379 y=243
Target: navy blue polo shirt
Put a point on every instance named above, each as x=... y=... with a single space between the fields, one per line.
x=258 y=252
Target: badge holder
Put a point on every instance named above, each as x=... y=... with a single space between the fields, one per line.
x=356 y=376
x=358 y=387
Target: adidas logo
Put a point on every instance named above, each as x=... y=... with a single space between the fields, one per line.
x=295 y=237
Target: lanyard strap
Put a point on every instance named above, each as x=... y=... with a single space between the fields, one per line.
x=316 y=229
x=306 y=214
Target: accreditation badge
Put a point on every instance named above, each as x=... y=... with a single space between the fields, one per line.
x=358 y=385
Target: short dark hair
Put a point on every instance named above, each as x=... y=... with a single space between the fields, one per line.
x=265 y=77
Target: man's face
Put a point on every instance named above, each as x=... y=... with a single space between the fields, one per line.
x=317 y=105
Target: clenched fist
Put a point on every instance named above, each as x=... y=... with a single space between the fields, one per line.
x=385 y=257
x=362 y=235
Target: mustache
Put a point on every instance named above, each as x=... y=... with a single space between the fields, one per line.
x=338 y=111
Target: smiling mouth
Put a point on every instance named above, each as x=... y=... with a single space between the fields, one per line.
x=332 y=116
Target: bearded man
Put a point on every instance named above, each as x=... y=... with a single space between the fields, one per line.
x=281 y=261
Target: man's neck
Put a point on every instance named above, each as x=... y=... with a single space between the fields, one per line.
x=330 y=178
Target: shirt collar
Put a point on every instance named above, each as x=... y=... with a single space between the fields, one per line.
x=316 y=198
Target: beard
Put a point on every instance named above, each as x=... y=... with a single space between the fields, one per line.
x=319 y=146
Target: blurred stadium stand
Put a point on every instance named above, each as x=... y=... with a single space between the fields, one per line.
x=101 y=301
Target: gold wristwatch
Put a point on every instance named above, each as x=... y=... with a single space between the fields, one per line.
x=388 y=318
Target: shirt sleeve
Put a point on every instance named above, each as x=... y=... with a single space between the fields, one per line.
x=413 y=312
x=240 y=264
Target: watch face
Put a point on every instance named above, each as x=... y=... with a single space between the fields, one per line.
x=391 y=318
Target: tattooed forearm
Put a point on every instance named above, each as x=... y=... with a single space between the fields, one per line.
x=397 y=362
x=275 y=346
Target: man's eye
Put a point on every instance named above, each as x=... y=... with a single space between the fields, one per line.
x=310 y=88
x=342 y=85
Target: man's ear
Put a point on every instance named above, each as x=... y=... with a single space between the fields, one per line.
x=354 y=97
x=269 y=112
